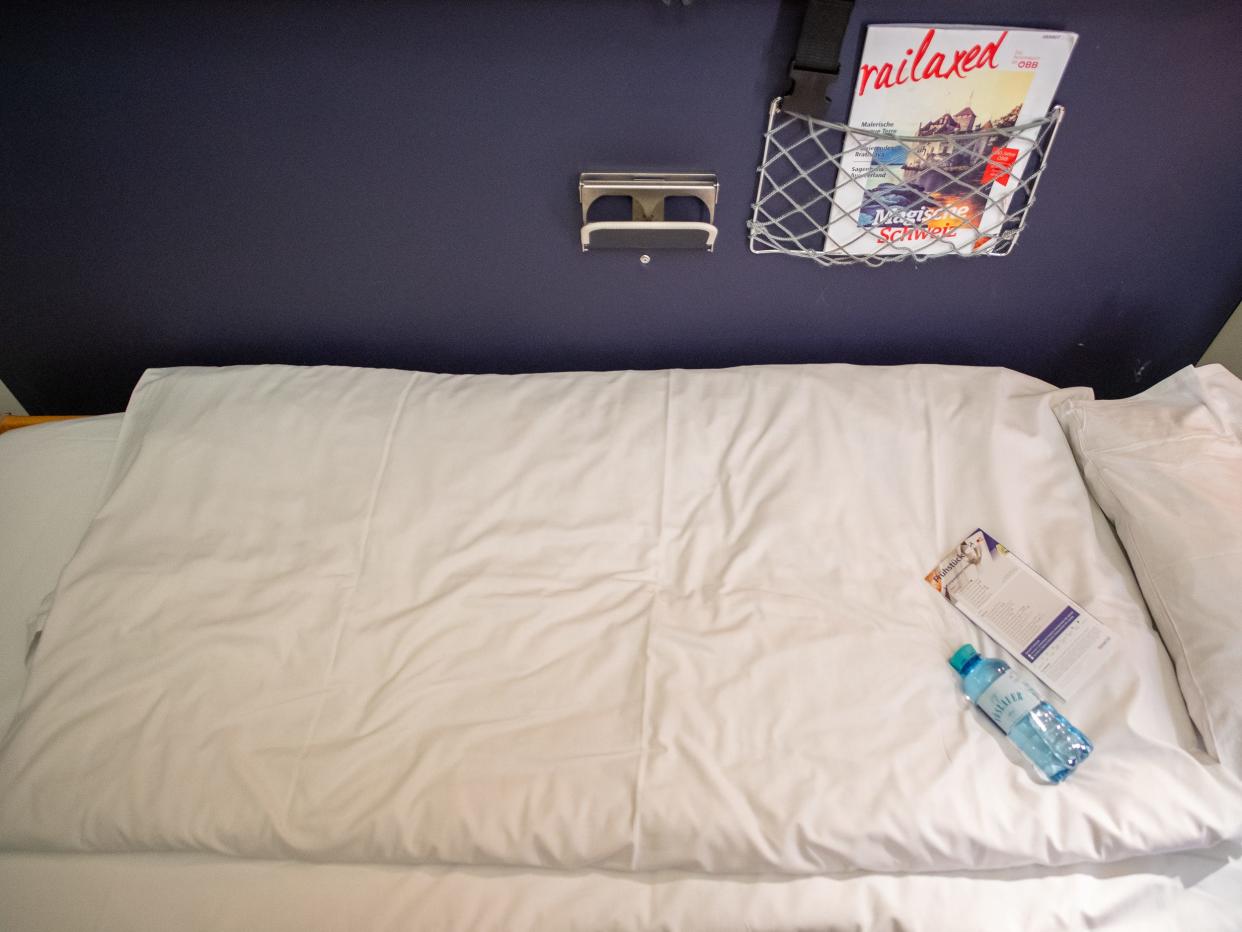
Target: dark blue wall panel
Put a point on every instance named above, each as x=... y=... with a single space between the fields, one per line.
x=395 y=184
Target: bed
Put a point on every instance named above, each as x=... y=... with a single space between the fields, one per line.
x=618 y=650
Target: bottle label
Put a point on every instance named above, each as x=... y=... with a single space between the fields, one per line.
x=1008 y=699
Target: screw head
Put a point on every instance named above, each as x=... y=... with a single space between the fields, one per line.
x=645 y=259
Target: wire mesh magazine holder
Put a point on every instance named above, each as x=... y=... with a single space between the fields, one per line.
x=840 y=194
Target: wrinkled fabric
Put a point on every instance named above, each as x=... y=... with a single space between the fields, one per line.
x=636 y=621
x=1192 y=891
x=1166 y=467
x=51 y=476
x=48 y=485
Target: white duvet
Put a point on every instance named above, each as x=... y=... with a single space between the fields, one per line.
x=636 y=621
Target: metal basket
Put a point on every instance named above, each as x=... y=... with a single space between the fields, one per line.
x=844 y=195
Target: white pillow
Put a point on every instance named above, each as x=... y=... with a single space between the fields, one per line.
x=1166 y=467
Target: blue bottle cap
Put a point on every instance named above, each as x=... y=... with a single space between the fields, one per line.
x=962 y=656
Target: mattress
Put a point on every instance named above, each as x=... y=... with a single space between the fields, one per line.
x=1193 y=889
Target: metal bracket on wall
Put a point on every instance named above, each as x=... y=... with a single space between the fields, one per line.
x=647 y=228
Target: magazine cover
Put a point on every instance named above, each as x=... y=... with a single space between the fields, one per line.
x=936 y=81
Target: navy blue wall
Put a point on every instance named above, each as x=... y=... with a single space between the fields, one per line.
x=395 y=184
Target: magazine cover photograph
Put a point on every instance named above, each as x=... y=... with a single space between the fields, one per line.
x=957 y=92
x=948 y=172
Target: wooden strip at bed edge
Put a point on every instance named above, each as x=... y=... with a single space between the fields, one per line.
x=14 y=421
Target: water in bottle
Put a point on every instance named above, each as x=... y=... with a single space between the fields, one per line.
x=1054 y=746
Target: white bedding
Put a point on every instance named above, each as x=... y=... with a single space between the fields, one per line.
x=1123 y=896
x=50 y=479
x=1189 y=892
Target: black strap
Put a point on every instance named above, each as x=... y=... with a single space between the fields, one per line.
x=817 y=62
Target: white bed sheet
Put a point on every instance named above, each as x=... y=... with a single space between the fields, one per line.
x=49 y=480
x=1189 y=892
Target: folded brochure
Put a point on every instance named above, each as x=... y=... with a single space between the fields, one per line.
x=1049 y=633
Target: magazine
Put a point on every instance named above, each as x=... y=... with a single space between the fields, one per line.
x=1048 y=633
x=937 y=81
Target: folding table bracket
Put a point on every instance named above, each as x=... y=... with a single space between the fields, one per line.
x=647 y=228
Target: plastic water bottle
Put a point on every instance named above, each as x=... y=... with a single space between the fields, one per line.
x=1054 y=746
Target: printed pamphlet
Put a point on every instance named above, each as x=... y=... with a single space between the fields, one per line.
x=961 y=88
x=1046 y=631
